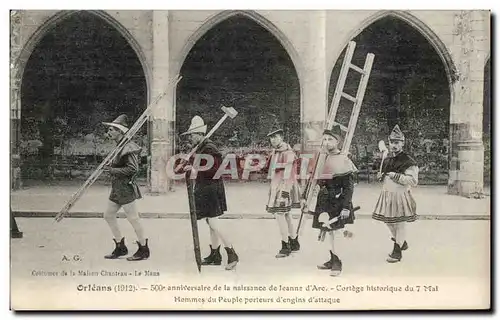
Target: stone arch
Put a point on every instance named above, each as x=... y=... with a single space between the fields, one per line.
x=400 y=91
x=25 y=50
x=260 y=20
x=42 y=30
x=422 y=28
x=268 y=25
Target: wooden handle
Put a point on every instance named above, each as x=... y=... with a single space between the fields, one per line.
x=209 y=134
x=382 y=162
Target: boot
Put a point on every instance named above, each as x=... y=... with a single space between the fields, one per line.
x=327 y=265
x=120 y=250
x=396 y=255
x=232 y=258
x=285 y=250
x=336 y=266
x=142 y=252
x=214 y=258
x=294 y=243
x=404 y=246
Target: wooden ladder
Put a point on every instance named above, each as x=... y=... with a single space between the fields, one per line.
x=358 y=100
x=309 y=193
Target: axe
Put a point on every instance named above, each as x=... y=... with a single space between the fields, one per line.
x=382 y=148
x=326 y=222
x=229 y=112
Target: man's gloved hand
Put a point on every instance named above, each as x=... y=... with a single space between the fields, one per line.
x=344 y=214
x=183 y=166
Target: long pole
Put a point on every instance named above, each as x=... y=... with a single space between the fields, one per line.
x=194 y=220
x=126 y=139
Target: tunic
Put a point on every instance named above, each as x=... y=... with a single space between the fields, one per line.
x=396 y=203
x=283 y=173
x=123 y=171
x=209 y=193
x=336 y=188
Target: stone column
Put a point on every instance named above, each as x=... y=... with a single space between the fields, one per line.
x=15 y=97
x=471 y=28
x=314 y=82
x=161 y=132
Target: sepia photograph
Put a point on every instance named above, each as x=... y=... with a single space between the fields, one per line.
x=319 y=160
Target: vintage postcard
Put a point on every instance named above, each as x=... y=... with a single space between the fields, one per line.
x=250 y=160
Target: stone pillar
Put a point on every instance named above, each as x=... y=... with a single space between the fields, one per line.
x=15 y=97
x=466 y=116
x=314 y=82
x=161 y=131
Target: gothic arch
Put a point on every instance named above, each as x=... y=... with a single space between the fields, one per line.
x=51 y=22
x=268 y=25
x=422 y=28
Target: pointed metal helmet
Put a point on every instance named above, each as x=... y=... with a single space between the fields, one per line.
x=397 y=134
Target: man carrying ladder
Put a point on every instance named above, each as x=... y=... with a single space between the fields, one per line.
x=329 y=190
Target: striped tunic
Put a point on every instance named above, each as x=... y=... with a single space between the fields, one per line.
x=396 y=203
x=284 y=193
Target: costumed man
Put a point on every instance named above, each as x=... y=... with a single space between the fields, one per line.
x=124 y=191
x=336 y=187
x=283 y=191
x=396 y=205
x=209 y=193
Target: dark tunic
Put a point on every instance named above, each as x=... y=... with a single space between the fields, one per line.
x=398 y=164
x=335 y=193
x=209 y=193
x=123 y=171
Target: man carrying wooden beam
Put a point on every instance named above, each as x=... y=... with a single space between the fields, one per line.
x=209 y=192
x=334 y=201
x=124 y=192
